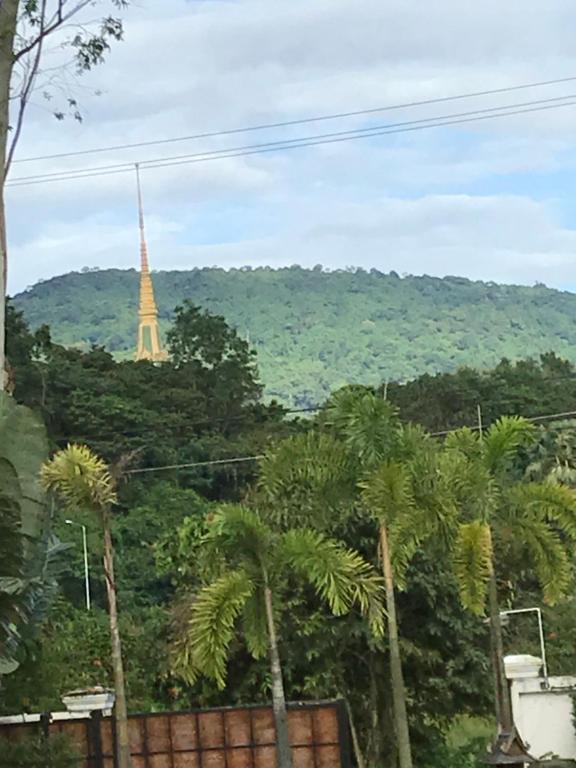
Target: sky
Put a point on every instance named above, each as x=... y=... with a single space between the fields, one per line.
x=492 y=200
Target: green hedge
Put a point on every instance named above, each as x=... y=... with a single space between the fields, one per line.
x=38 y=752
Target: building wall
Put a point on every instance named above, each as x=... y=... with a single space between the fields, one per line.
x=544 y=715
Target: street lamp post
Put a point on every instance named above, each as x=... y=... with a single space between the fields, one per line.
x=86 y=571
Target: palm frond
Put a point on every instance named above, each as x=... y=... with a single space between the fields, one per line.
x=339 y=575
x=387 y=492
x=80 y=477
x=255 y=625
x=464 y=441
x=548 y=554
x=305 y=478
x=406 y=537
x=473 y=488
x=412 y=440
x=503 y=440
x=239 y=533
x=472 y=556
x=548 y=501
x=204 y=644
x=367 y=423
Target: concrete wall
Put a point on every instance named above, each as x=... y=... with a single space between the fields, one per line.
x=543 y=715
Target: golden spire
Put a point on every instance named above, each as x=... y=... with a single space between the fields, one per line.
x=149 y=347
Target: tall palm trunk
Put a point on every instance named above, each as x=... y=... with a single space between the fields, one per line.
x=8 y=22
x=283 y=749
x=122 y=738
x=398 y=690
x=503 y=702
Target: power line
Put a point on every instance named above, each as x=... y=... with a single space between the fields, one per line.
x=474 y=427
x=301 y=121
x=235 y=460
x=285 y=143
x=188 y=465
x=302 y=142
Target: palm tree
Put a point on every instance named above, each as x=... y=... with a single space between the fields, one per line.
x=257 y=559
x=500 y=515
x=84 y=481
x=376 y=465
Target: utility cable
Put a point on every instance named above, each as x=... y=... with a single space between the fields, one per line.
x=235 y=460
x=302 y=142
x=301 y=121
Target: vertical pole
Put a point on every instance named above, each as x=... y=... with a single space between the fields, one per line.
x=86 y=571
x=95 y=741
x=542 y=644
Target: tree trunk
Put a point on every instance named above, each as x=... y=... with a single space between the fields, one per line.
x=122 y=738
x=283 y=749
x=8 y=22
x=503 y=702
x=360 y=762
x=398 y=690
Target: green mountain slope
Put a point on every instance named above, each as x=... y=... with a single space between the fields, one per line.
x=316 y=330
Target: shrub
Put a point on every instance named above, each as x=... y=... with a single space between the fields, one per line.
x=57 y=751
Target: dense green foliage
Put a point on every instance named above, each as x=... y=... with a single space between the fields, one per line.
x=56 y=752
x=174 y=414
x=315 y=331
x=29 y=552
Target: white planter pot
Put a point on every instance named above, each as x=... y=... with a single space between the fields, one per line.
x=90 y=700
x=522 y=667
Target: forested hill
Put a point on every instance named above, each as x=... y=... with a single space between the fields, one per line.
x=314 y=330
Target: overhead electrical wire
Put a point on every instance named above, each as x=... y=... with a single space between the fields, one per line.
x=299 y=121
x=239 y=459
x=305 y=141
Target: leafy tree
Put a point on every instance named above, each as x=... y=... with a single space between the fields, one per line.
x=83 y=480
x=373 y=439
x=168 y=414
x=25 y=26
x=502 y=516
x=219 y=362
x=258 y=560
x=28 y=551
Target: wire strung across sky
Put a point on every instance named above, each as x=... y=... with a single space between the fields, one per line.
x=300 y=121
x=436 y=121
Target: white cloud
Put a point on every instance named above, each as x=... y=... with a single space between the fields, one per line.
x=426 y=201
